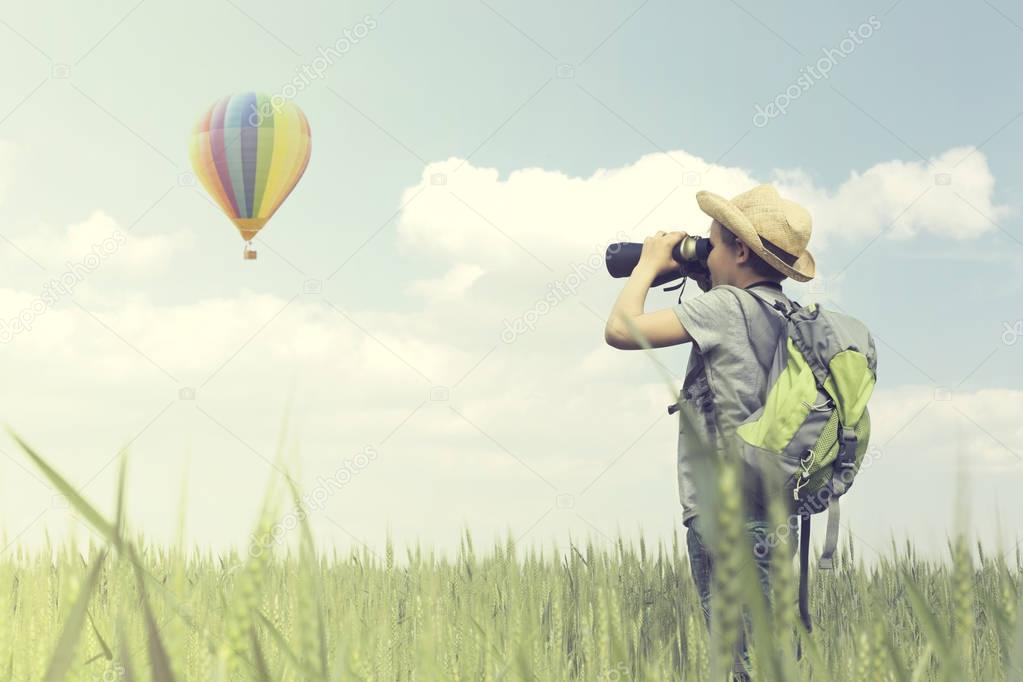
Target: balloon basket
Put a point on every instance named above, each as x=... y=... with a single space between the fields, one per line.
x=249 y=253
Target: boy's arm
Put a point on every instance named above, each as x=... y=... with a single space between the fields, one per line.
x=660 y=328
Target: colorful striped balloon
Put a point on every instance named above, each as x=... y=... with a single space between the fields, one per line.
x=249 y=153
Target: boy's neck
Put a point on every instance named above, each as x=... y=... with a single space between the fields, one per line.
x=746 y=280
x=764 y=282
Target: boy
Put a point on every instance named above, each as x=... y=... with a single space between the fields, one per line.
x=757 y=240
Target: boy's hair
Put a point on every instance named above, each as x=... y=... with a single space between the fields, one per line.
x=756 y=263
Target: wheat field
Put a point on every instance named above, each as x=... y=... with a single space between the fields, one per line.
x=122 y=609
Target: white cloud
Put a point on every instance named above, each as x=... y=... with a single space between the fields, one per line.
x=546 y=215
x=535 y=215
x=924 y=423
x=905 y=198
x=452 y=284
x=100 y=243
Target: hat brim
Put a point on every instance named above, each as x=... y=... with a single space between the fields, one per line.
x=726 y=213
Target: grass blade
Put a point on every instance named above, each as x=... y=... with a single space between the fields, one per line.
x=64 y=488
x=60 y=663
x=157 y=652
x=107 y=653
x=282 y=643
x=311 y=582
x=125 y=662
x=938 y=637
x=119 y=513
x=257 y=651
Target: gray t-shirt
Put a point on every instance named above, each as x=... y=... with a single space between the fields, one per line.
x=734 y=341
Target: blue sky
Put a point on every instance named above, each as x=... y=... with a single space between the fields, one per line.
x=553 y=127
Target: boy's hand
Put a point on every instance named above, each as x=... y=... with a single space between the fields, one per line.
x=656 y=254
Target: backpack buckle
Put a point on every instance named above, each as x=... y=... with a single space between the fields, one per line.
x=783 y=309
x=847 y=451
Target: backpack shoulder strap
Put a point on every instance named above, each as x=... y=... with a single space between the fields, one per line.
x=786 y=311
x=804 y=571
x=831 y=538
x=777 y=306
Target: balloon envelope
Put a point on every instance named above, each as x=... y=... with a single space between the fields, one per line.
x=249 y=154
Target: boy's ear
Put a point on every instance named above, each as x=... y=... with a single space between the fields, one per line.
x=742 y=251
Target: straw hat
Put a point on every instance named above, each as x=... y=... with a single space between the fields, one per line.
x=776 y=229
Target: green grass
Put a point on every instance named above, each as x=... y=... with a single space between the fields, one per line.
x=121 y=609
x=625 y=613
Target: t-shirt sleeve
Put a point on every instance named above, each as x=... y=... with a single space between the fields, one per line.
x=711 y=318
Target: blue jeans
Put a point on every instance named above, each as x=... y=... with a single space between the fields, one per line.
x=701 y=564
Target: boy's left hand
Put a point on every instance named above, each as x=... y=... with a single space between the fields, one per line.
x=656 y=254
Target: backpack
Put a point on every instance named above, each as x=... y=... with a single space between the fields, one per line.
x=814 y=425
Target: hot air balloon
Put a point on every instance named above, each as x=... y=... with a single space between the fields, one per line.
x=249 y=152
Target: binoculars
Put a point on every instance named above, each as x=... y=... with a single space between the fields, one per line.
x=690 y=254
